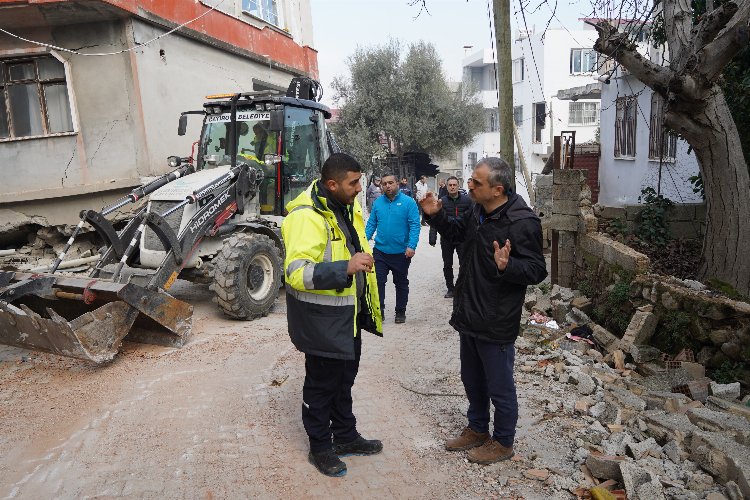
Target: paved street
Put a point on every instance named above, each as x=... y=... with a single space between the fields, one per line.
x=220 y=418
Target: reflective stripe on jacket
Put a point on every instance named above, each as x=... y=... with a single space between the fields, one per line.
x=321 y=297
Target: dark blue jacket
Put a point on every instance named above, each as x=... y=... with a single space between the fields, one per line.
x=454 y=208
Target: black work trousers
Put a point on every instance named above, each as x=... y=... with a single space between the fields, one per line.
x=327 y=399
x=448 y=248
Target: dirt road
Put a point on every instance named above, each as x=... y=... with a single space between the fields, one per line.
x=220 y=418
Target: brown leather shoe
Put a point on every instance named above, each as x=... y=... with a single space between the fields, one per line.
x=489 y=453
x=468 y=439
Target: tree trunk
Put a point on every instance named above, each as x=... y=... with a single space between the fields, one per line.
x=696 y=108
x=714 y=137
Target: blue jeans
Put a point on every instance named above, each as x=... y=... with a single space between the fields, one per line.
x=487 y=374
x=398 y=264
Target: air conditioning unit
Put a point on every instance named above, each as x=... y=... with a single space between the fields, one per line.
x=458 y=173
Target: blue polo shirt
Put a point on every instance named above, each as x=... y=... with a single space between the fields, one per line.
x=395 y=224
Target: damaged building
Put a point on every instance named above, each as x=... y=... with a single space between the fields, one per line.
x=91 y=91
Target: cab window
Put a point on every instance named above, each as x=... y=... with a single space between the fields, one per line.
x=302 y=146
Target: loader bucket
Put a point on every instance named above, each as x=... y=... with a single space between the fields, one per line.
x=95 y=336
x=85 y=318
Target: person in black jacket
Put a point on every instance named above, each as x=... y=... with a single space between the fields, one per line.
x=442 y=188
x=502 y=255
x=455 y=204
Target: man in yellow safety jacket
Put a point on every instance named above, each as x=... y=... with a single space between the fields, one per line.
x=332 y=295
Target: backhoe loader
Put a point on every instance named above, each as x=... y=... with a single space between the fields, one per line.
x=214 y=217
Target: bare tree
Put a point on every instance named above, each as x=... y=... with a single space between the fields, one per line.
x=695 y=107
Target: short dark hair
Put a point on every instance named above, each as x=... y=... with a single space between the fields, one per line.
x=337 y=165
x=389 y=174
x=451 y=178
x=501 y=174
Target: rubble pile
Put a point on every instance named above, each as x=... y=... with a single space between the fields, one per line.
x=43 y=247
x=651 y=426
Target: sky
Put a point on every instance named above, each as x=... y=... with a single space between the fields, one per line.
x=340 y=26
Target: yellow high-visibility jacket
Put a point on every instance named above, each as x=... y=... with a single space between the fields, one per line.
x=321 y=298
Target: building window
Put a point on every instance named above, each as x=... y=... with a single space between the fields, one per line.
x=518 y=115
x=582 y=61
x=583 y=113
x=33 y=98
x=662 y=144
x=267 y=10
x=625 y=127
x=492 y=121
x=540 y=118
x=518 y=69
x=472 y=159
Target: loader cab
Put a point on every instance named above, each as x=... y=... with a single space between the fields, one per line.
x=289 y=148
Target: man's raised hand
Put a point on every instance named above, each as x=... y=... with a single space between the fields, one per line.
x=360 y=262
x=430 y=204
x=502 y=254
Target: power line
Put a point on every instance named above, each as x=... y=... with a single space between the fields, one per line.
x=62 y=49
x=531 y=47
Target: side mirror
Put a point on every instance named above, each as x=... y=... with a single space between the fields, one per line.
x=277 y=120
x=182 y=126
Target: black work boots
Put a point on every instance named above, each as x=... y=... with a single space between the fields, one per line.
x=359 y=446
x=327 y=463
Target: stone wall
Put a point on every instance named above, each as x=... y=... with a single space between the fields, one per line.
x=543 y=204
x=685 y=220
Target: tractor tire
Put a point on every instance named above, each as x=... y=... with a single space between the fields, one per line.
x=247 y=275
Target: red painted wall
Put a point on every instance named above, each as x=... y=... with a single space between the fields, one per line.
x=267 y=41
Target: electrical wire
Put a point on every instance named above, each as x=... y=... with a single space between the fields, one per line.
x=97 y=54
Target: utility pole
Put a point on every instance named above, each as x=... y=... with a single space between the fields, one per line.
x=503 y=41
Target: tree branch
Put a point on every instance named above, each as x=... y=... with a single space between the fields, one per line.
x=614 y=43
x=732 y=37
x=712 y=23
x=717 y=54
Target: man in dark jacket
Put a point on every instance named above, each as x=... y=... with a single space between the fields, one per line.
x=502 y=255
x=455 y=204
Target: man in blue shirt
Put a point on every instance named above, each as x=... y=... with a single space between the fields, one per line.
x=395 y=222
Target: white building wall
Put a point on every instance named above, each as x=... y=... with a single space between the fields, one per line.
x=545 y=73
x=552 y=55
x=621 y=180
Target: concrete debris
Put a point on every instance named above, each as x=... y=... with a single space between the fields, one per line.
x=673 y=451
x=606 y=466
x=640 y=330
x=644 y=353
x=722 y=457
x=657 y=400
x=617 y=443
x=640 y=484
x=582 y=303
x=669 y=426
x=647 y=447
x=584 y=382
x=45 y=244
x=733 y=491
x=716 y=421
x=725 y=391
x=650 y=422
x=561 y=293
x=578 y=317
x=722 y=404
